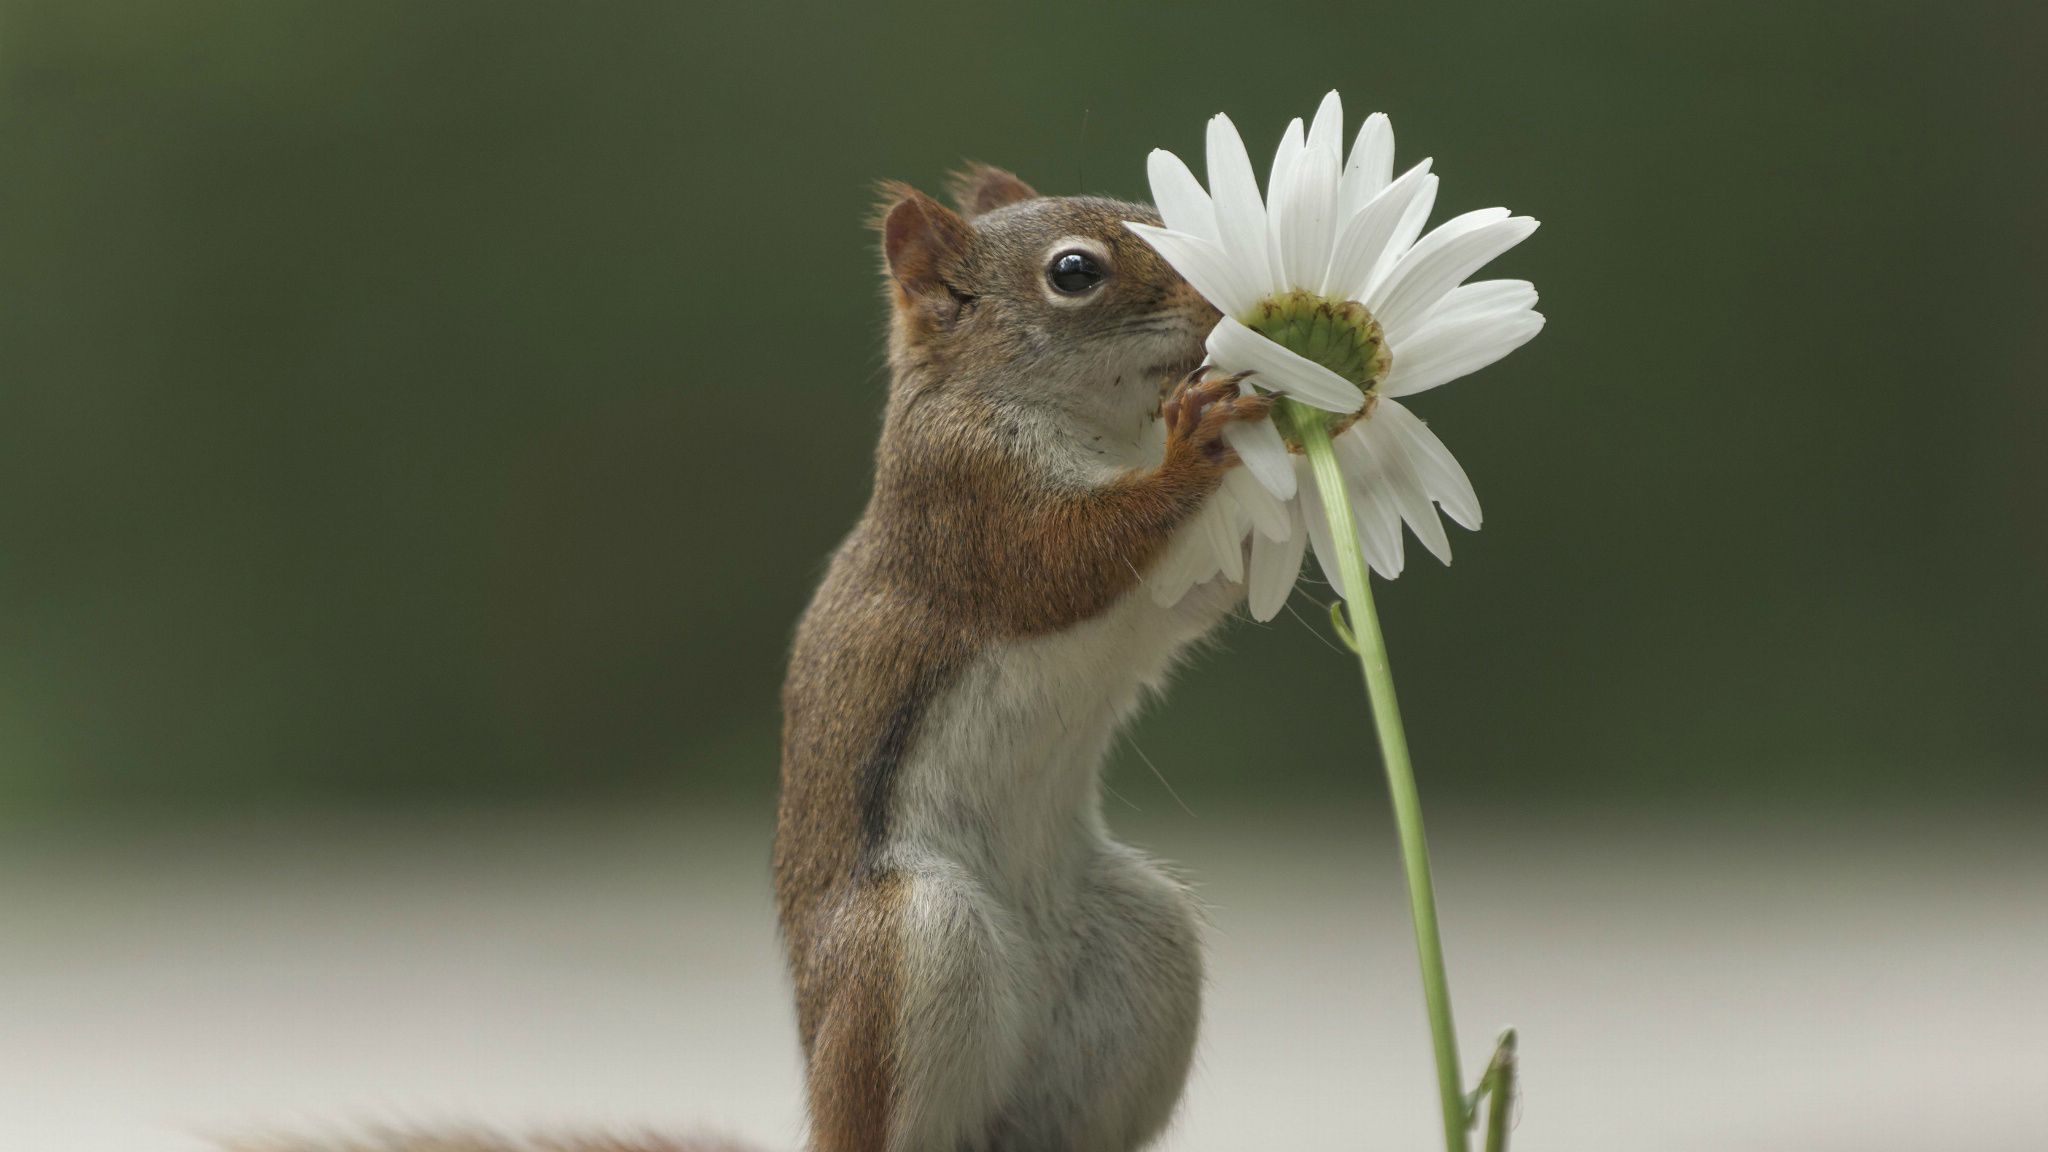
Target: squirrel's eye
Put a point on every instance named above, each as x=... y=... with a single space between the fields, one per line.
x=1074 y=273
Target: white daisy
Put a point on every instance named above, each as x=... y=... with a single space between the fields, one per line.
x=1333 y=297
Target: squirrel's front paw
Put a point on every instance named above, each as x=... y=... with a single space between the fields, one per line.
x=1198 y=410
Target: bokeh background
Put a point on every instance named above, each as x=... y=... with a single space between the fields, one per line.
x=421 y=424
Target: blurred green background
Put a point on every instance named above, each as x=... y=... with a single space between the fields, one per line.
x=398 y=400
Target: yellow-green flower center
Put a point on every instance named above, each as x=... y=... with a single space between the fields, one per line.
x=1338 y=334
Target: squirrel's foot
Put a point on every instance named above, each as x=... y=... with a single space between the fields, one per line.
x=1199 y=410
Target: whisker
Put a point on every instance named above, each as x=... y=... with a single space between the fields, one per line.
x=1312 y=630
x=1120 y=796
x=1143 y=327
x=1162 y=777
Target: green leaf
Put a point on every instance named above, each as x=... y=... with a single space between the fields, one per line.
x=1343 y=626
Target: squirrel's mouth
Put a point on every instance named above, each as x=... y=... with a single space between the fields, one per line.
x=1176 y=367
x=1171 y=372
x=1190 y=349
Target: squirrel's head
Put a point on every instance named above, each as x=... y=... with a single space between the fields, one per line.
x=1036 y=293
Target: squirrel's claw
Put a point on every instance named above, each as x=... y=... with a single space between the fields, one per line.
x=1199 y=410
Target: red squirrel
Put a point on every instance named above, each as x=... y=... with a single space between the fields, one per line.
x=978 y=965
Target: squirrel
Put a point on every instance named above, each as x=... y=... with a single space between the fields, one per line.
x=977 y=964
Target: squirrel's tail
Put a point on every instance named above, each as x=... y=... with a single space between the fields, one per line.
x=474 y=1140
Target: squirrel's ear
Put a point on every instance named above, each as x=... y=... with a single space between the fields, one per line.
x=980 y=188
x=925 y=242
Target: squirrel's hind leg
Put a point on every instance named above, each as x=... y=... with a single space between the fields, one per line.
x=925 y=1059
x=1117 y=1054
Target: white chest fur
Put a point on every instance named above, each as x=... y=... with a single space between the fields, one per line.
x=1004 y=775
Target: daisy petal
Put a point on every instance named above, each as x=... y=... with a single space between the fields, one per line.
x=1279 y=189
x=1442 y=477
x=1379 y=531
x=1182 y=201
x=1318 y=524
x=1265 y=513
x=1326 y=131
x=1204 y=264
x=1235 y=347
x=1369 y=238
x=1370 y=167
x=1364 y=234
x=1275 y=565
x=1203 y=563
x=1435 y=266
x=1304 y=219
x=1222 y=523
x=1363 y=241
x=1444 y=351
x=1177 y=570
x=1405 y=232
x=1480 y=298
x=1292 y=142
x=1372 y=505
x=1240 y=214
x=1264 y=453
x=1405 y=485
x=1456 y=229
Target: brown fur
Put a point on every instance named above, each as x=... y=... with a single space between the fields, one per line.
x=981 y=188
x=850 y=1107
x=966 y=541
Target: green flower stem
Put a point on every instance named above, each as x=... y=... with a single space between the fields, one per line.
x=1371 y=647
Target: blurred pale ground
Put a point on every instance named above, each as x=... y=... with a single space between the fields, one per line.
x=1708 y=985
x=421 y=423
